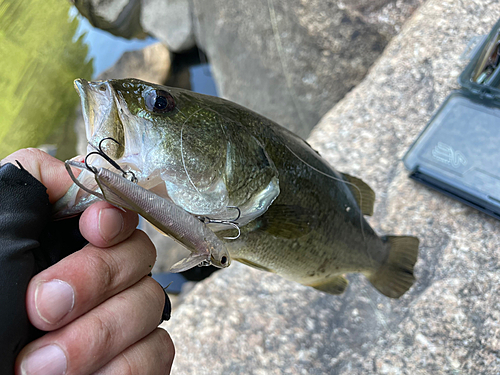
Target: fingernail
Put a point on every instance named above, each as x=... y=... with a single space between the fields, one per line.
x=110 y=223
x=53 y=300
x=48 y=360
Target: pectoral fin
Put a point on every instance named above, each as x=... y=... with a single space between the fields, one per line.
x=363 y=194
x=333 y=285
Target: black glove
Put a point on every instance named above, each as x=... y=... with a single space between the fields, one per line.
x=29 y=243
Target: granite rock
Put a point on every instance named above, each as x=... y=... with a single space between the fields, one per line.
x=170 y=22
x=293 y=60
x=118 y=17
x=242 y=320
x=151 y=64
x=388 y=16
x=288 y=60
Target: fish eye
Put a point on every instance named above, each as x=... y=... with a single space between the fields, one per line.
x=159 y=101
x=223 y=260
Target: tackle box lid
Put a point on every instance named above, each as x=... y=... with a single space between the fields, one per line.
x=458 y=153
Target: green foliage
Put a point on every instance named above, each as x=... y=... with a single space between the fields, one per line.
x=39 y=59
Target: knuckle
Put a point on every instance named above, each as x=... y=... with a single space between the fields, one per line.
x=34 y=152
x=155 y=357
x=104 y=269
x=145 y=240
x=29 y=158
x=132 y=220
x=29 y=153
x=103 y=332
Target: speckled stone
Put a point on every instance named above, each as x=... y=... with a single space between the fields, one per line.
x=243 y=321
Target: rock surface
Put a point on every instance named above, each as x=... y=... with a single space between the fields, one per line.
x=119 y=17
x=290 y=60
x=245 y=321
x=170 y=22
x=151 y=64
x=293 y=60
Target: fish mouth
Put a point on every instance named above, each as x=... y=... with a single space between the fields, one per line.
x=99 y=108
x=106 y=115
x=104 y=128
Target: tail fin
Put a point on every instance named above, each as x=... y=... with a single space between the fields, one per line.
x=395 y=277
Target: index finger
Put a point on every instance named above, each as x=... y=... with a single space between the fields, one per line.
x=45 y=168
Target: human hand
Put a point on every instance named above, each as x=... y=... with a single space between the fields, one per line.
x=100 y=308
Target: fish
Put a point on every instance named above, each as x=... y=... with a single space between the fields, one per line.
x=298 y=217
x=205 y=247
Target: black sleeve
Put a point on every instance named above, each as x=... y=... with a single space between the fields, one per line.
x=29 y=242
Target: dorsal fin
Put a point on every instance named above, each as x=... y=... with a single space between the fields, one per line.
x=365 y=196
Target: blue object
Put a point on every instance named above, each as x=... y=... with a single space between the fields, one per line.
x=458 y=152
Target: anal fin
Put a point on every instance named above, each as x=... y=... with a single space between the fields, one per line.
x=363 y=194
x=333 y=285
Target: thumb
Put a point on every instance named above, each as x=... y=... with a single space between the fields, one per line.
x=50 y=171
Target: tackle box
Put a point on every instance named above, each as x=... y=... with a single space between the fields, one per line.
x=458 y=152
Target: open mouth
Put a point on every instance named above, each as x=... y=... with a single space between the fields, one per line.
x=103 y=124
x=98 y=105
x=113 y=131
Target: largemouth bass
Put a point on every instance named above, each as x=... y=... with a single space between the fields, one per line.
x=298 y=217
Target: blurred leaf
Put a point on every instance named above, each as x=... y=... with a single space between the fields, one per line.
x=39 y=60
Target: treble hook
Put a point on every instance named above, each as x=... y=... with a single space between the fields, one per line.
x=233 y=222
x=99 y=151
x=235 y=225
x=239 y=213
